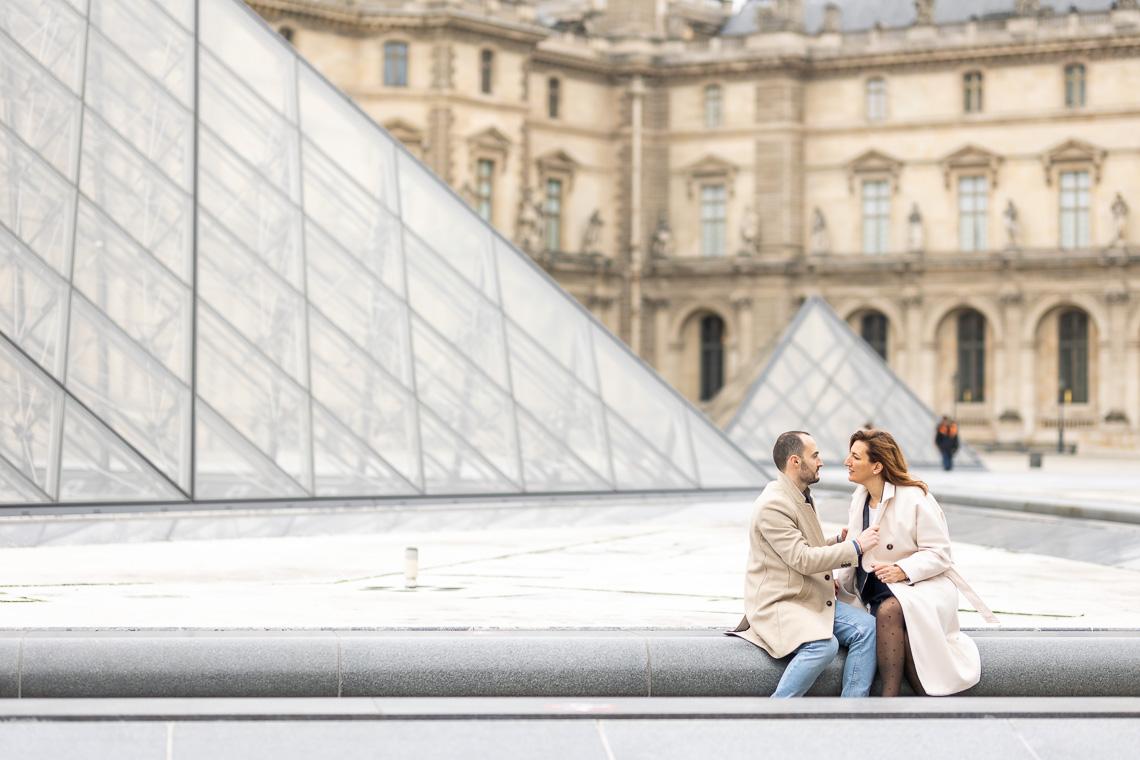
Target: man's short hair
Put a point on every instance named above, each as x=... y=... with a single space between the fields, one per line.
x=788 y=444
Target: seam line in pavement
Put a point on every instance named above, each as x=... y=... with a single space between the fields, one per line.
x=605 y=742
x=1013 y=727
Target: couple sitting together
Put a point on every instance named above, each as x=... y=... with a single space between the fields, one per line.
x=884 y=587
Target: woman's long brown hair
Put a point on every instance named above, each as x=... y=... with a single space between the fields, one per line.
x=882 y=448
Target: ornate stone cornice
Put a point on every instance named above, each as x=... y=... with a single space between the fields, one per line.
x=972 y=159
x=873 y=163
x=1073 y=153
x=710 y=168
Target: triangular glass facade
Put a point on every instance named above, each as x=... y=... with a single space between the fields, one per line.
x=823 y=378
x=220 y=280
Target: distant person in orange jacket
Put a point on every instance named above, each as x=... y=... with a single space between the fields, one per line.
x=946 y=439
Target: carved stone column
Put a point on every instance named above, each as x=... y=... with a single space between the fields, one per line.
x=1113 y=385
x=743 y=347
x=1010 y=394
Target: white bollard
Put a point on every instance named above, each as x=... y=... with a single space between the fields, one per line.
x=411 y=566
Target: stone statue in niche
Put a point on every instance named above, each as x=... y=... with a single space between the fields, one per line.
x=529 y=235
x=923 y=12
x=915 y=234
x=750 y=231
x=1012 y=226
x=593 y=232
x=661 y=245
x=1119 y=220
x=820 y=244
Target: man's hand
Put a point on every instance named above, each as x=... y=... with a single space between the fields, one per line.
x=869 y=539
x=836 y=584
x=888 y=573
x=842 y=536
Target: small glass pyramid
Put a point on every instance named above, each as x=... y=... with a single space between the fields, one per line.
x=220 y=280
x=823 y=378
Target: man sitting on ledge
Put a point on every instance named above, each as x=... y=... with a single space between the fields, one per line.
x=789 y=593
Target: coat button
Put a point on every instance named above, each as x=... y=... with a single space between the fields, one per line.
x=829 y=604
x=890 y=546
x=827 y=577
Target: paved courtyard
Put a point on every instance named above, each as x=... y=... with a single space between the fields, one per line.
x=666 y=562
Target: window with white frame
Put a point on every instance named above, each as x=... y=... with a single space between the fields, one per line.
x=876 y=99
x=1075 y=85
x=714 y=103
x=876 y=215
x=552 y=214
x=396 y=64
x=484 y=187
x=713 y=220
x=973 y=202
x=1074 y=209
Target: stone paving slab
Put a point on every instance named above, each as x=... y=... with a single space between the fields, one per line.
x=554 y=739
x=576 y=708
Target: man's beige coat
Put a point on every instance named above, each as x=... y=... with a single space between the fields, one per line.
x=913 y=535
x=789 y=598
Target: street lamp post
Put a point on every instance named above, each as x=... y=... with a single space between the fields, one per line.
x=1066 y=397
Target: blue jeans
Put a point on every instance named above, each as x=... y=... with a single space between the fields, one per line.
x=854 y=629
x=947 y=460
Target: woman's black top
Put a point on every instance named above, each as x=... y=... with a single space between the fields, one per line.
x=872 y=591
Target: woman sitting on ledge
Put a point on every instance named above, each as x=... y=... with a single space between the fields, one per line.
x=908 y=581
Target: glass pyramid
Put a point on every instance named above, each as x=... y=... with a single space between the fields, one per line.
x=823 y=378
x=219 y=280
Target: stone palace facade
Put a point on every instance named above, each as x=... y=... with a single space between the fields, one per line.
x=959 y=183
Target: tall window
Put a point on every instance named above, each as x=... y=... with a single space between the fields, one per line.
x=1073 y=356
x=973 y=195
x=712 y=356
x=971 y=356
x=1075 y=85
x=1074 y=210
x=484 y=187
x=713 y=106
x=876 y=215
x=972 y=92
x=712 y=220
x=486 y=70
x=396 y=64
x=873 y=328
x=876 y=99
x=552 y=213
x=553 y=97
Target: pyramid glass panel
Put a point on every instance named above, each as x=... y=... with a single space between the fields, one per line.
x=31 y=416
x=220 y=280
x=825 y=379
x=33 y=304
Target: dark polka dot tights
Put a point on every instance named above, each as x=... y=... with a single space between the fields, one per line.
x=893 y=650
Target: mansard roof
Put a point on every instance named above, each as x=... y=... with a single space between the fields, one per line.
x=864 y=14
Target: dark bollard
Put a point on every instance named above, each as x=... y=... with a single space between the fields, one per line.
x=1035 y=459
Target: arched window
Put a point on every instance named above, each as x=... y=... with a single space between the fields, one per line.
x=1075 y=85
x=553 y=97
x=1073 y=356
x=486 y=71
x=396 y=64
x=971 y=356
x=873 y=328
x=712 y=356
x=972 y=92
x=713 y=106
x=876 y=99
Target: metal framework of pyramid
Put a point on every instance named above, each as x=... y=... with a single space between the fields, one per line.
x=220 y=280
x=823 y=378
